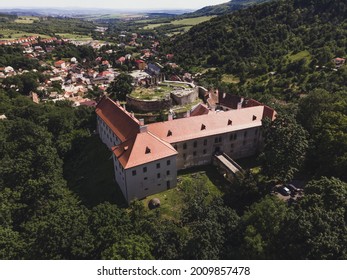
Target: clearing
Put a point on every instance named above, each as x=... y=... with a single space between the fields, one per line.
x=187 y=22
x=26 y=19
x=8 y=34
x=76 y=37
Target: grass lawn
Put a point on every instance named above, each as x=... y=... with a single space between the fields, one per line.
x=187 y=22
x=155 y=93
x=15 y=34
x=172 y=201
x=90 y=174
x=230 y=79
x=77 y=37
x=299 y=56
x=26 y=19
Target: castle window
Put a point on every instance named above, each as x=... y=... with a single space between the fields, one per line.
x=168 y=185
x=168 y=172
x=184 y=146
x=158 y=175
x=195 y=144
x=144 y=169
x=245 y=134
x=134 y=172
x=168 y=162
x=204 y=152
x=235 y=136
x=158 y=165
x=205 y=142
x=194 y=153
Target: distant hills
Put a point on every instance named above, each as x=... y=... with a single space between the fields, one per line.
x=225 y=8
x=78 y=12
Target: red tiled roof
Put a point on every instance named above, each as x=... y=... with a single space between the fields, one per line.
x=117 y=118
x=121 y=59
x=141 y=149
x=207 y=125
x=199 y=110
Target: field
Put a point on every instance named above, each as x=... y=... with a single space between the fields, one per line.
x=9 y=34
x=77 y=37
x=187 y=23
x=26 y=19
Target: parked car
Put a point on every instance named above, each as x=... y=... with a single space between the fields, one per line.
x=292 y=188
x=284 y=191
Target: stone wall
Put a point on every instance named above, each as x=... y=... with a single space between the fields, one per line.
x=185 y=96
x=140 y=105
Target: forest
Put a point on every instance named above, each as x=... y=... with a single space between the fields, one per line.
x=45 y=215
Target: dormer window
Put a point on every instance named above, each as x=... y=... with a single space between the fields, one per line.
x=203 y=127
x=169 y=133
x=254 y=117
x=230 y=122
x=148 y=150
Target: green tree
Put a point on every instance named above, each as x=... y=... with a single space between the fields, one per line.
x=121 y=87
x=285 y=145
x=107 y=223
x=133 y=247
x=261 y=226
x=317 y=227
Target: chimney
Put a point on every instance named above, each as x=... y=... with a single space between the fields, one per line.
x=124 y=107
x=170 y=116
x=143 y=127
x=188 y=114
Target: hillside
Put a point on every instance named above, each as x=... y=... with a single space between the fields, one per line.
x=225 y=8
x=263 y=38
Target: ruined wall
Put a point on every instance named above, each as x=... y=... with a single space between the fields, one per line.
x=185 y=96
x=138 y=105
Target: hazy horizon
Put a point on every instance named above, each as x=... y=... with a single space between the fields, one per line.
x=109 y=4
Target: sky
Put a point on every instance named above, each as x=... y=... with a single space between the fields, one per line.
x=113 y=4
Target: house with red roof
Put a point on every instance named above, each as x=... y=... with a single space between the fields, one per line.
x=120 y=60
x=140 y=64
x=60 y=64
x=146 y=157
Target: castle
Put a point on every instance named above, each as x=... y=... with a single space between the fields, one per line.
x=146 y=157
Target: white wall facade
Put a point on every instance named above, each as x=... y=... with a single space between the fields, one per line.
x=151 y=178
x=106 y=134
